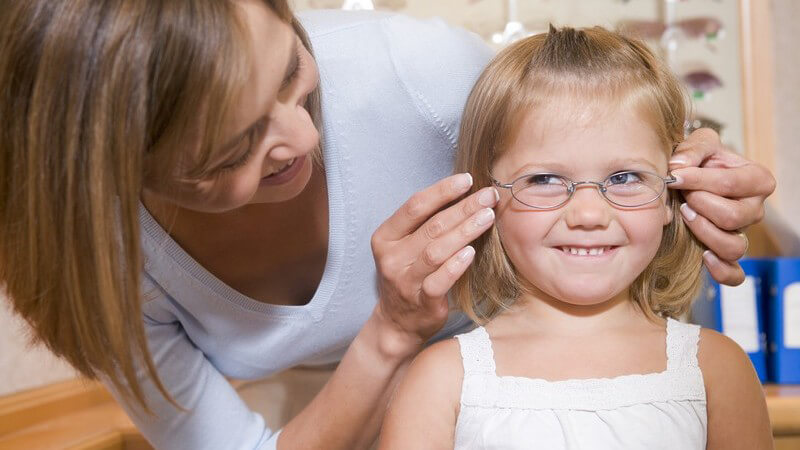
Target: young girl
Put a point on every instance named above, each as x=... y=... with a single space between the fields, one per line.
x=585 y=274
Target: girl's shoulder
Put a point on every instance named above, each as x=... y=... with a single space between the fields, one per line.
x=443 y=358
x=737 y=410
x=723 y=362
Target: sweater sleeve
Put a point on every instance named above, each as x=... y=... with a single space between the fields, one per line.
x=215 y=417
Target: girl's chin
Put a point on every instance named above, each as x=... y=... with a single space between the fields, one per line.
x=584 y=295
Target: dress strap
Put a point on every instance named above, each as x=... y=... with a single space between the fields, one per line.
x=682 y=339
x=476 y=352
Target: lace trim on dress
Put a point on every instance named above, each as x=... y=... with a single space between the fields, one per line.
x=682 y=381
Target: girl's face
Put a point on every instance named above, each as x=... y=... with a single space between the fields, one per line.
x=582 y=145
x=270 y=135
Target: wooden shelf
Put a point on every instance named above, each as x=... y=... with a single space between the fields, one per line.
x=74 y=414
x=81 y=415
x=784 y=413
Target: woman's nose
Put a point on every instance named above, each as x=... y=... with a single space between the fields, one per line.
x=587 y=208
x=292 y=132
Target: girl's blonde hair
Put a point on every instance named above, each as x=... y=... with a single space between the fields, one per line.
x=593 y=66
x=95 y=96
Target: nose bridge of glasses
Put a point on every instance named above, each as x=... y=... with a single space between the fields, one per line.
x=574 y=185
x=598 y=186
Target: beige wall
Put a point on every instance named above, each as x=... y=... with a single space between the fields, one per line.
x=23 y=366
x=786 y=35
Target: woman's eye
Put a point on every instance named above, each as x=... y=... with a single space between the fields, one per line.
x=624 y=178
x=250 y=141
x=297 y=68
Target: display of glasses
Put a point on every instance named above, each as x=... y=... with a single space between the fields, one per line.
x=358 y=4
x=698 y=38
x=672 y=35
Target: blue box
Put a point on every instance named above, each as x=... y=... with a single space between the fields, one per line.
x=739 y=311
x=783 y=314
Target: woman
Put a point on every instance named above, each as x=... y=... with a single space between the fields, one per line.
x=160 y=160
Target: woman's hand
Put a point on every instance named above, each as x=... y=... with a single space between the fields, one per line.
x=724 y=193
x=420 y=251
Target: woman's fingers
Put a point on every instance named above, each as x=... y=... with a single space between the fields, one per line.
x=421 y=206
x=434 y=241
x=701 y=145
x=702 y=163
x=725 y=213
x=437 y=251
x=728 y=245
x=725 y=272
x=750 y=180
x=724 y=193
x=446 y=220
x=423 y=249
x=437 y=284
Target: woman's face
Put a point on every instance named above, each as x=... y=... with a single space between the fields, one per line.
x=269 y=136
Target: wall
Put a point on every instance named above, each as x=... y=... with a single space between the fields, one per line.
x=22 y=365
x=786 y=34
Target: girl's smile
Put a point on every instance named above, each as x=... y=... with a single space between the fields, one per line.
x=587 y=250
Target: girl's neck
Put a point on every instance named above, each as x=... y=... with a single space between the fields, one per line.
x=552 y=316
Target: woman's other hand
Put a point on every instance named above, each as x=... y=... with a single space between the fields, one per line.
x=724 y=193
x=420 y=251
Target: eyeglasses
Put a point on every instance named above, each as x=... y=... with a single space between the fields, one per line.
x=628 y=189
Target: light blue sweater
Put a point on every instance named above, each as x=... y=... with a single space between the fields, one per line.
x=393 y=89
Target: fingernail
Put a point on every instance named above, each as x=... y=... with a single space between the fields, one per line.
x=677 y=161
x=688 y=213
x=466 y=253
x=484 y=216
x=710 y=258
x=463 y=181
x=488 y=197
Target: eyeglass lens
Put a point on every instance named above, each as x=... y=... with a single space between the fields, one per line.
x=628 y=189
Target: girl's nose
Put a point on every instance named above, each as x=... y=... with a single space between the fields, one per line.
x=587 y=208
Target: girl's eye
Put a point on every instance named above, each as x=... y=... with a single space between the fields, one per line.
x=543 y=178
x=624 y=178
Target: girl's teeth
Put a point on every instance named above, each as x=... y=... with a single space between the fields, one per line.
x=597 y=251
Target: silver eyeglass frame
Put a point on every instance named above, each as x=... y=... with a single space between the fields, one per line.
x=573 y=185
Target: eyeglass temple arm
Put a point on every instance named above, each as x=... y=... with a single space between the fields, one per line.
x=670 y=179
x=499 y=184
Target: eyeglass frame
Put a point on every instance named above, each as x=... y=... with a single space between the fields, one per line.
x=573 y=185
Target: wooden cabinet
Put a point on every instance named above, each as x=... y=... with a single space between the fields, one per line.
x=78 y=415
x=784 y=413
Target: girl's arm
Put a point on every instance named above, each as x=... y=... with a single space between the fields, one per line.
x=737 y=410
x=423 y=411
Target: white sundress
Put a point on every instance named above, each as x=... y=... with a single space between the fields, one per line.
x=664 y=410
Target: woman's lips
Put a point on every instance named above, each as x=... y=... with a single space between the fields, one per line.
x=284 y=175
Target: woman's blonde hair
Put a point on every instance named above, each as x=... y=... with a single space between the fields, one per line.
x=594 y=66
x=94 y=95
